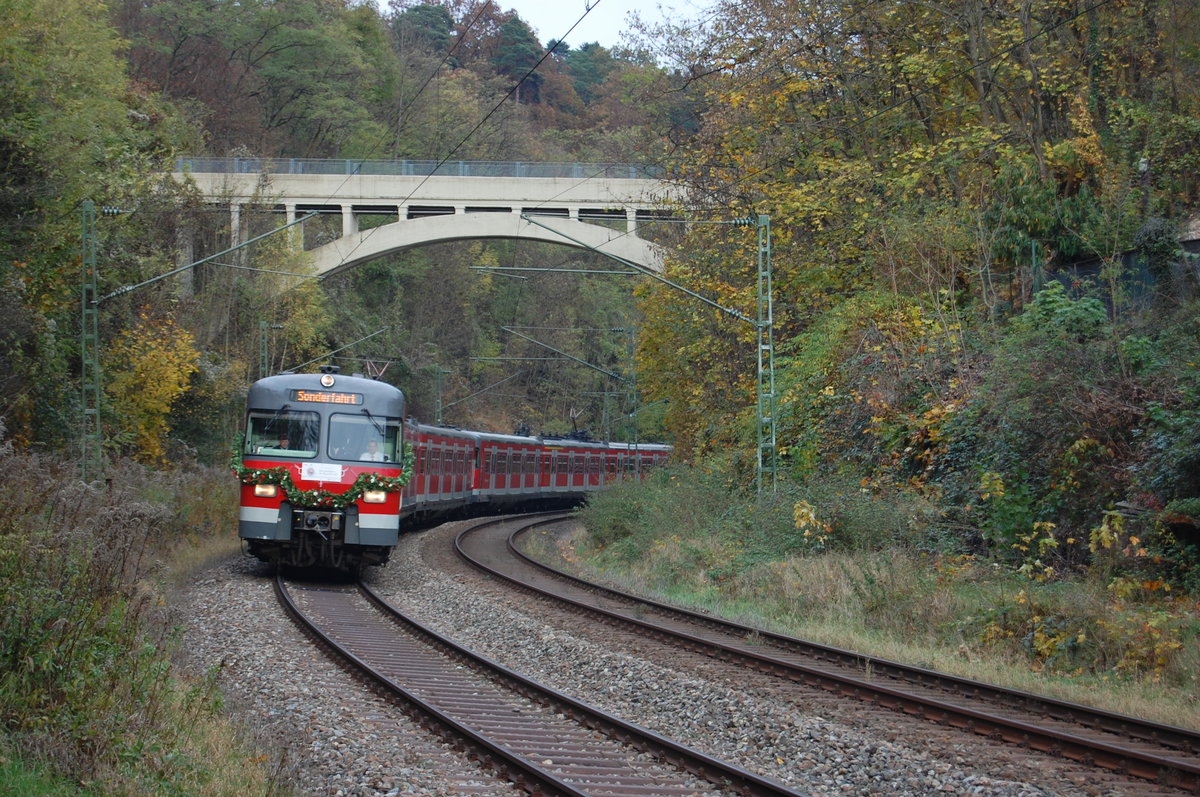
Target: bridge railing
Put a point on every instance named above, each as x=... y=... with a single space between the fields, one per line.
x=419 y=168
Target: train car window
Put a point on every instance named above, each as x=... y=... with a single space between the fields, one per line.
x=364 y=438
x=280 y=433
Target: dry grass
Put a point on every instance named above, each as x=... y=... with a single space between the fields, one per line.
x=931 y=613
x=86 y=687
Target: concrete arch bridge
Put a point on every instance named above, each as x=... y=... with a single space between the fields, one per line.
x=434 y=201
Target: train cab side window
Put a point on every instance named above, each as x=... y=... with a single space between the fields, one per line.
x=282 y=433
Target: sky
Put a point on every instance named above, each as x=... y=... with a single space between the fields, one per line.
x=551 y=19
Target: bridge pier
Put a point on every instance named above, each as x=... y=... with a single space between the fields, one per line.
x=235 y=232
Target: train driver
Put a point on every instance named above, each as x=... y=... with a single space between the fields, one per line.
x=373 y=453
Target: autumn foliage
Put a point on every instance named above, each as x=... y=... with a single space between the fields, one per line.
x=981 y=299
x=148 y=368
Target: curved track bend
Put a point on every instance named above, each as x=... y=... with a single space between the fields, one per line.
x=541 y=740
x=1166 y=755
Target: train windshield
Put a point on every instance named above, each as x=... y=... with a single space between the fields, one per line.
x=364 y=437
x=283 y=433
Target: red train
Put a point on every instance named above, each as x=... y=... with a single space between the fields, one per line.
x=330 y=467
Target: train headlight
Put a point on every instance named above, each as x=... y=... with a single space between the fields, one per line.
x=374 y=497
x=266 y=490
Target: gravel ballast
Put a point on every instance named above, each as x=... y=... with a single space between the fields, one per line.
x=327 y=735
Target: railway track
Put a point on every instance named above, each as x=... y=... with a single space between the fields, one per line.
x=541 y=740
x=1165 y=755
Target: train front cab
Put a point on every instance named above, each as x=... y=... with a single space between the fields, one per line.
x=325 y=437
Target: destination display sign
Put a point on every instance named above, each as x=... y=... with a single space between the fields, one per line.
x=323 y=397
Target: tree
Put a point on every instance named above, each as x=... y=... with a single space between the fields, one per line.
x=588 y=67
x=148 y=368
x=72 y=127
x=428 y=27
x=272 y=77
x=517 y=52
x=936 y=153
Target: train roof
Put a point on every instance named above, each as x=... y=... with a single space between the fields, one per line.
x=348 y=392
x=532 y=440
x=444 y=431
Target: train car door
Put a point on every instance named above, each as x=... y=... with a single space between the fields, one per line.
x=611 y=467
x=422 y=475
x=529 y=475
x=578 y=469
x=505 y=470
x=562 y=469
x=458 y=470
x=491 y=463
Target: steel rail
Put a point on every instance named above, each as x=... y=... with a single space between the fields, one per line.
x=712 y=769
x=1172 y=736
x=519 y=770
x=523 y=771
x=1155 y=766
